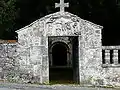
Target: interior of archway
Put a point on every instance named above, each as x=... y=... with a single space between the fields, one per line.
x=63 y=59
x=59 y=55
x=59 y=71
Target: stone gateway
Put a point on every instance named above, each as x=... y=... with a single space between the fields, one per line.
x=57 y=43
x=59 y=47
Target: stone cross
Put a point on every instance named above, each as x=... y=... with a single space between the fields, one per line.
x=62 y=5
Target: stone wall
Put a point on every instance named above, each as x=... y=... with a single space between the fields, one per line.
x=8 y=64
x=33 y=54
x=31 y=61
x=33 y=44
x=90 y=56
x=111 y=65
x=27 y=60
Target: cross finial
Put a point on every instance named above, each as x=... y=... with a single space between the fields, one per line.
x=62 y=5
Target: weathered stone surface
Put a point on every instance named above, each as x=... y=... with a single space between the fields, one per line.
x=8 y=64
x=33 y=41
x=35 y=37
x=44 y=59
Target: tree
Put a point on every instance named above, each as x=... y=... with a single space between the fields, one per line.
x=8 y=14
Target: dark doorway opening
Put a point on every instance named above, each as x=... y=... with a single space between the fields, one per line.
x=63 y=60
x=59 y=70
x=59 y=55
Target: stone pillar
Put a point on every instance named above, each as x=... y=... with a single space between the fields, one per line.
x=115 y=56
x=107 y=56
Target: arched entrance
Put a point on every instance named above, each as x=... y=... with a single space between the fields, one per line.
x=60 y=69
x=63 y=59
x=59 y=54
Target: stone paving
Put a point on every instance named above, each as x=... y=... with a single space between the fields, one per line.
x=58 y=88
x=4 y=86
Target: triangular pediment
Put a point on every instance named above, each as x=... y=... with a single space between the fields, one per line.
x=51 y=18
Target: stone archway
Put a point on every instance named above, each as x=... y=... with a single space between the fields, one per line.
x=59 y=54
x=60 y=70
x=63 y=59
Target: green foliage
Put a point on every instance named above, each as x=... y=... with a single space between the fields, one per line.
x=8 y=14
